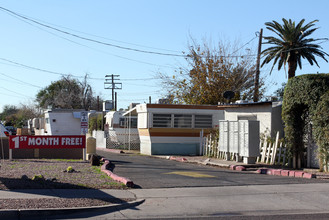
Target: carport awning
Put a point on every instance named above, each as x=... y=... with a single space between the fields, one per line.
x=131 y=112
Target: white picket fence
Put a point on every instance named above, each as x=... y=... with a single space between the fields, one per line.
x=274 y=153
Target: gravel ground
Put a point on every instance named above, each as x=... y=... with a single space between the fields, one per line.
x=55 y=203
x=19 y=174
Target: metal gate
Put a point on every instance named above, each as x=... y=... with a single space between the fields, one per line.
x=123 y=139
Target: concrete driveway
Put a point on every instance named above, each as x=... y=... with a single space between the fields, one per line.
x=150 y=172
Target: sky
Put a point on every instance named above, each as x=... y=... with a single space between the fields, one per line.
x=139 y=39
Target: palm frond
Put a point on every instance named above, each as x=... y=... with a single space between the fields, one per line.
x=292 y=44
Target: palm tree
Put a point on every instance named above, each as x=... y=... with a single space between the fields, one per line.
x=292 y=45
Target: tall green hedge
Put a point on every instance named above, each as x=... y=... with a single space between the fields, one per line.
x=95 y=122
x=321 y=130
x=301 y=97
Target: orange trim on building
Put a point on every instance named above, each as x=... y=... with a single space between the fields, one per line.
x=172 y=106
x=172 y=132
x=209 y=107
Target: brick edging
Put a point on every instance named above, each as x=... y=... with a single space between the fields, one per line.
x=180 y=159
x=124 y=180
x=290 y=173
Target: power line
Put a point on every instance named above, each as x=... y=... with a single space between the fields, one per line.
x=35 y=68
x=89 y=39
x=11 y=95
x=93 y=35
x=15 y=92
x=139 y=93
x=101 y=42
x=83 y=45
x=63 y=74
x=244 y=45
x=20 y=81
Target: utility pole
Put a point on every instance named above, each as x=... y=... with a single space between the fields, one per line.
x=111 y=84
x=256 y=92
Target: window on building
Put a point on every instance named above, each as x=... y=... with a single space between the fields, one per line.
x=133 y=123
x=182 y=121
x=162 y=120
x=248 y=117
x=203 y=121
x=123 y=122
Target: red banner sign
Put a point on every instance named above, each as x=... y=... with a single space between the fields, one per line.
x=32 y=142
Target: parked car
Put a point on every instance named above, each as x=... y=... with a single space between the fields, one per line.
x=11 y=129
x=3 y=131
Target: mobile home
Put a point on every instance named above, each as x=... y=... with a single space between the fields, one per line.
x=267 y=113
x=121 y=130
x=174 y=129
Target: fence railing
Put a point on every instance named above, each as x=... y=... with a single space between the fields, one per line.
x=274 y=153
x=122 y=141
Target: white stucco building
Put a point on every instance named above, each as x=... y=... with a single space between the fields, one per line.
x=58 y=122
x=267 y=113
x=175 y=129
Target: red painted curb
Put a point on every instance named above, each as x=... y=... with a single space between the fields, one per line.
x=285 y=172
x=240 y=168
x=262 y=171
x=299 y=174
x=232 y=167
x=292 y=173
x=269 y=172
x=277 y=172
x=308 y=175
x=123 y=180
x=180 y=159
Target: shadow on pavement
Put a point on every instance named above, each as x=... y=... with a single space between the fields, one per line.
x=81 y=214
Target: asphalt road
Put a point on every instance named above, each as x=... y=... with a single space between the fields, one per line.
x=149 y=172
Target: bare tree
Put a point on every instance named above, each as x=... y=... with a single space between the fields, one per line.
x=210 y=72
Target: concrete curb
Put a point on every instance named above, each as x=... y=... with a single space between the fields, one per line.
x=111 y=150
x=29 y=213
x=126 y=181
x=105 y=168
x=288 y=173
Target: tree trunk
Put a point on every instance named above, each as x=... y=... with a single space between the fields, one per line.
x=297 y=161
x=294 y=161
x=292 y=65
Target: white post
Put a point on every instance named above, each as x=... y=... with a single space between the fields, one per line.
x=84 y=156
x=275 y=148
x=129 y=127
x=201 y=143
x=10 y=154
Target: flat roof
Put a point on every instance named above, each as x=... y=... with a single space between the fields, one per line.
x=214 y=107
x=133 y=111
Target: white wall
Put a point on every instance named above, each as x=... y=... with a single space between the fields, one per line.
x=100 y=139
x=145 y=114
x=62 y=123
x=263 y=114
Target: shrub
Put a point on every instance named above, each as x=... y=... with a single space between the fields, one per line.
x=321 y=130
x=301 y=96
x=95 y=123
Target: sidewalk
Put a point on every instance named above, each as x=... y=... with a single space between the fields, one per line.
x=131 y=194
x=67 y=194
